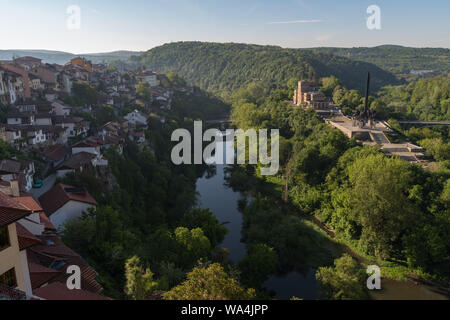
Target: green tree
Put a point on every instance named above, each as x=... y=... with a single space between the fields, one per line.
x=194 y=244
x=144 y=91
x=83 y=94
x=437 y=147
x=139 y=281
x=378 y=201
x=205 y=219
x=175 y=80
x=258 y=265
x=104 y=114
x=209 y=283
x=171 y=273
x=346 y=281
x=329 y=84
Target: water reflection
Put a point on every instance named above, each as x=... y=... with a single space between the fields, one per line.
x=215 y=195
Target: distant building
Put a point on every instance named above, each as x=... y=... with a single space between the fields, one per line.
x=81 y=62
x=27 y=63
x=55 y=154
x=309 y=96
x=149 y=77
x=22 y=80
x=61 y=109
x=136 y=118
x=22 y=171
x=47 y=74
x=11 y=85
x=77 y=164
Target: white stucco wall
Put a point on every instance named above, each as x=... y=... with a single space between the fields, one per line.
x=26 y=273
x=12 y=258
x=44 y=121
x=71 y=210
x=91 y=150
x=63 y=173
x=14 y=121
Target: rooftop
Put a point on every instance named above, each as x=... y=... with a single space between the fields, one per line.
x=11 y=210
x=60 y=194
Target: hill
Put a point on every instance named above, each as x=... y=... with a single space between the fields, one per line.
x=220 y=67
x=397 y=59
x=60 y=57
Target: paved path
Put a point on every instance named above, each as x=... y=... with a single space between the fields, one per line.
x=49 y=182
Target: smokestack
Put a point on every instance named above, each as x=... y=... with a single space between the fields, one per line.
x=366 y=107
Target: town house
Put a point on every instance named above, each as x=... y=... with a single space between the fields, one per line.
x=63 y=203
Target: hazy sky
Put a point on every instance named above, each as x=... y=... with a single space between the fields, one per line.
x=108 y=25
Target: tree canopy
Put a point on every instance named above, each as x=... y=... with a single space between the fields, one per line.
x=227 y=67
x=209 y=283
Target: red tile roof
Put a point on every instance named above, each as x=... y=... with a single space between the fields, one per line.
x=40 y=275
x=26 y=238
x=29 y=203
x=49 y=227
x=8 y=202
x=53 y=250
x=59 y=195
x=59 y=291
x=10 y=210
x=10 y=166
x=56 y=152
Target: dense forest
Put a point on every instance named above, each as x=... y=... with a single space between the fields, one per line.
x=397 y=59
x=424 y=99
x=388 y=210
x=223 y=68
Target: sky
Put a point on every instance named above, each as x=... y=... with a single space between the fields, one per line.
x=139 y=25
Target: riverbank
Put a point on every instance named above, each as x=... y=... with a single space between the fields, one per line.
x=398 y=283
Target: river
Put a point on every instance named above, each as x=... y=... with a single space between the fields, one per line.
x=215 y=195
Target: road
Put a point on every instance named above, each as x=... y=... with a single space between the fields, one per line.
x=49 y=182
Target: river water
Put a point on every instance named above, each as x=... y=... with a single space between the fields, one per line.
x=215 y=195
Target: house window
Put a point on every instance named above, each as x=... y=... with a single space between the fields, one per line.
x=9 y=278
x=4 y=238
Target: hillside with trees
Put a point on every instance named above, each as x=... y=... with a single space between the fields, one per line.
x=387 y=209
x=147 y=234
x=223 y=68
x=397 y=59
x=424 y=99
